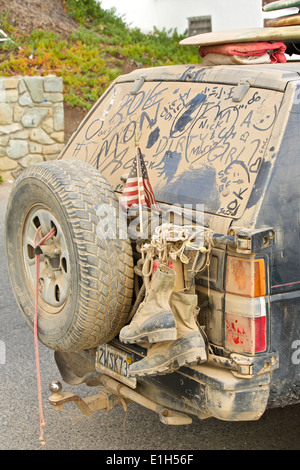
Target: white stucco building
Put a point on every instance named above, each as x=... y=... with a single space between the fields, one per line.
x=217 y=14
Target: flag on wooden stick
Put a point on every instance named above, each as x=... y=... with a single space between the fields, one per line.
x=138 y=189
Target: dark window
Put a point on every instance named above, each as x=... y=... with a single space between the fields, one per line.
x=199 y=25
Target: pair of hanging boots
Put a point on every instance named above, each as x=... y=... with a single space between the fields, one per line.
x=166 y=320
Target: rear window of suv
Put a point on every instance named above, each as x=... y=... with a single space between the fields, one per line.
x=199 y=146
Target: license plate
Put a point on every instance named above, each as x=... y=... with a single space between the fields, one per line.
x=114 y=363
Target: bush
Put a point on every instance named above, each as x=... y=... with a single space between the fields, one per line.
x=89 y=58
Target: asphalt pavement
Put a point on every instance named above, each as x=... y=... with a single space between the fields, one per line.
x=138 y=429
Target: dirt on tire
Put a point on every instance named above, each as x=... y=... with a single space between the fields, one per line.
x=95 y=276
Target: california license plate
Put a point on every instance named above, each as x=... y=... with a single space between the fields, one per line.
x=114 y=363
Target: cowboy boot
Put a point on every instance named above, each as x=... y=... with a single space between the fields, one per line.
x=188 y=349
x=154 y=320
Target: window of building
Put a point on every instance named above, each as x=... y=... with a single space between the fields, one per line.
x=199 y=25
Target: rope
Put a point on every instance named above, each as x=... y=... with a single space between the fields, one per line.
x=38 y=252
x=169 y=242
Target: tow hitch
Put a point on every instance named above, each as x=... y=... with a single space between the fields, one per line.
x=113 y=394
x=104 y=400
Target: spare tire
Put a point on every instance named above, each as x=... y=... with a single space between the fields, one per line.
x=86 y=276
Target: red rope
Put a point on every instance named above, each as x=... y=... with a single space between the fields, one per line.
x=38 y=252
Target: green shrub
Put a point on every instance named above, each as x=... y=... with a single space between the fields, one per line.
x=89 y=58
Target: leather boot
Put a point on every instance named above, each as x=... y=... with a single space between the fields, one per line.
x=188 y=349
x=154 y=320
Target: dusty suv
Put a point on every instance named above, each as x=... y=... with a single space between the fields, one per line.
x=220 y=144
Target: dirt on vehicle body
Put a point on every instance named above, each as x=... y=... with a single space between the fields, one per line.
x=220 y=148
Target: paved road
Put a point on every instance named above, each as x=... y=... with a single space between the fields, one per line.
x=140 y=429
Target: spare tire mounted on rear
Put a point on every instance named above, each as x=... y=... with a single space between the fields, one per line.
x=86 y=280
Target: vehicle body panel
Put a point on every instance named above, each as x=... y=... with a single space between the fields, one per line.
x=226 y=138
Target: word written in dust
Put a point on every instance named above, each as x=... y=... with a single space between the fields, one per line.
x=192 y=136
x=123 y=460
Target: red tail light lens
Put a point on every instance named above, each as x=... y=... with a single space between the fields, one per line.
x=245 y=334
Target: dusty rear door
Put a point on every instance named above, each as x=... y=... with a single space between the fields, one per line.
x=200 y=144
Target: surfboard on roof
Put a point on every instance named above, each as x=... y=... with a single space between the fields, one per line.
x=281 y=5
x=284 y=34
x=286 y=20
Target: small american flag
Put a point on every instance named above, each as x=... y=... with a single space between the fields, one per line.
x=138 y=192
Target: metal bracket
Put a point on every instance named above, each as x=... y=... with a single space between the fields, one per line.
x=246 y=241
x=241 y=90
x=249 y=367
x=137 y=85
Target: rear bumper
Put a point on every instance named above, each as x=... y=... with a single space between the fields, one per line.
x=210 y=391
x=205 y=390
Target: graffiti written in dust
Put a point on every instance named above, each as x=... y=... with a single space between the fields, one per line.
x=183 y=129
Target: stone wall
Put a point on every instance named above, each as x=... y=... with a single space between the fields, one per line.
x=31 y=122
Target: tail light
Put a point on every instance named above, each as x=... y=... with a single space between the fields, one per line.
x=245 y=305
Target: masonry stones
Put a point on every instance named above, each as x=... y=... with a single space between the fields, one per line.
x=6 y=114
x=17 y=148
x=31 y=122
x=33 y=117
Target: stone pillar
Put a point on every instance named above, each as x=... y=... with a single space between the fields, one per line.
x=31 y=122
